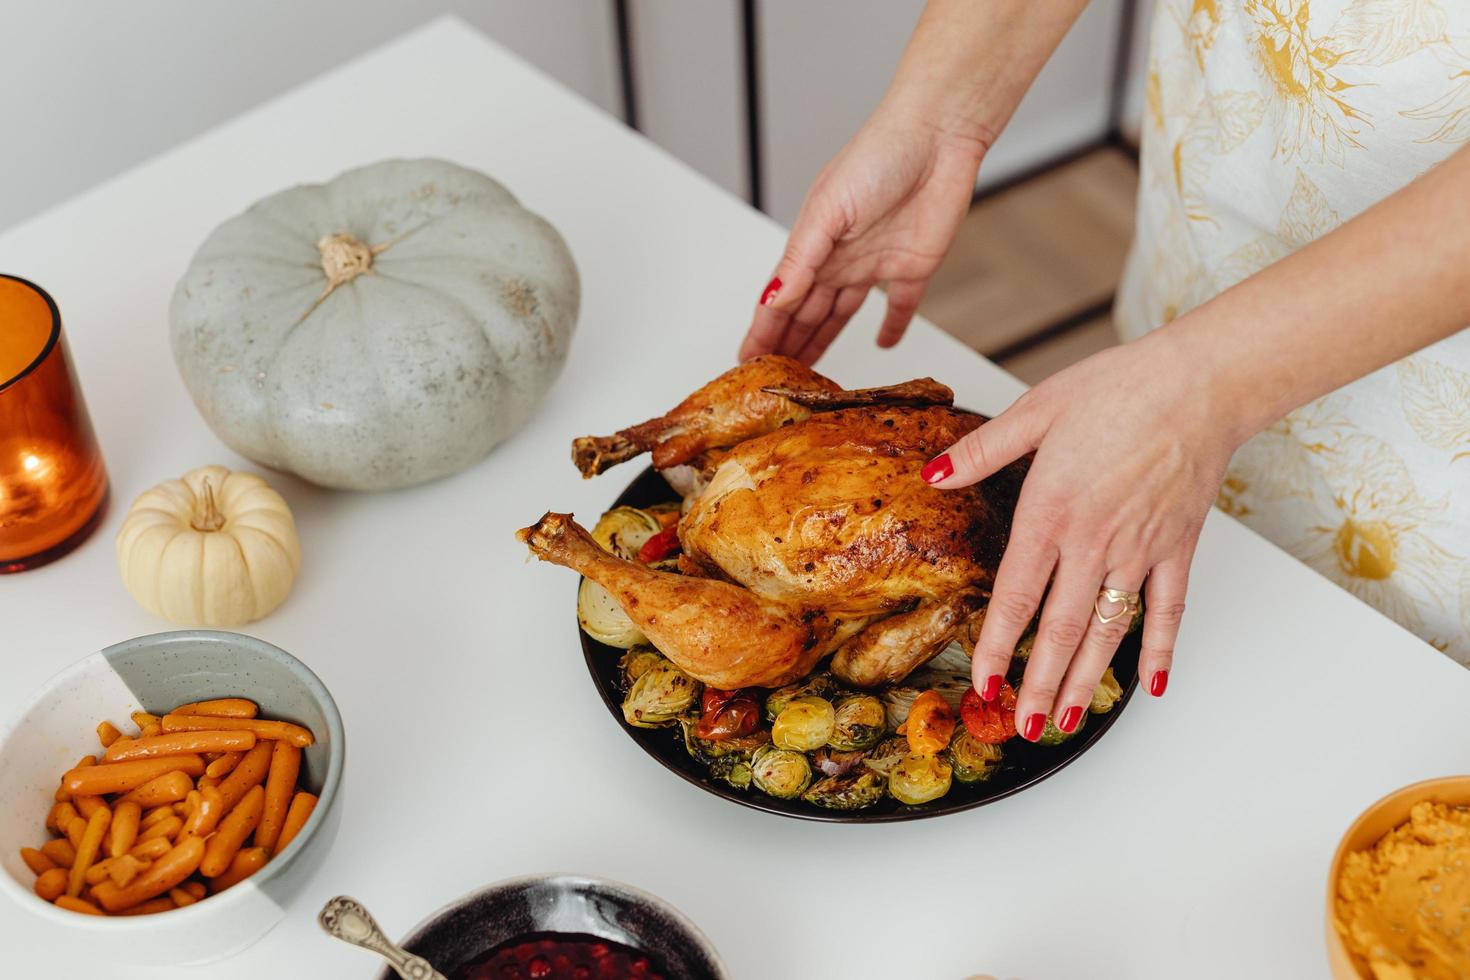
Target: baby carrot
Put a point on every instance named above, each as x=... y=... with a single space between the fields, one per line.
x=181 y=897
x=280 y=783
x=296 y=816
x=160 y=904
x=282 y=730
x=60 y=852
x=119 y=777
x=164 y=828
x=124 y=832
x=150 y=850
x=87 y=805
x=167 y=788
x=244 y=864
x=74 y=904
x=167 y=872
x=62 y=793
x=92 y=835
x=179 y=743
x=143 y=719
x=75 y=830
x=248 y=773
x=107 y=733
x=51 y=885
x=224 y=765
x=154 y=814
x=125 y=869
x=62 y=814
x=220 y=708
x=205 y=818
x=36 y=861
x=233 y=829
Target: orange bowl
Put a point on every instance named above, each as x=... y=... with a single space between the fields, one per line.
x=1374 y=822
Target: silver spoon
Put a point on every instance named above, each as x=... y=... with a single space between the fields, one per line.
x=345 y=919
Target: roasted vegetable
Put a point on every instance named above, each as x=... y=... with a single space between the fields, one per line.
x=603 y=619
x=930 y=724
x=990 y=722
x=834 y=762
x=1052 y=735
x=635 y=663
x=731 y=769
x=1108 y=693
x=705 y=752
x=804 y=724
x=899 y=700
x=660 y=546
x=819 y=685
x=858 y=722
x=886 y=754
x=623 y=530
x=973 y=761
x=919 y=778
x=659 y=697
x=1024 y=644
x=727 y=714
x=780 y=773
x=852 y=791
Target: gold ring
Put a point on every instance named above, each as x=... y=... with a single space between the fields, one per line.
x=1129 y=600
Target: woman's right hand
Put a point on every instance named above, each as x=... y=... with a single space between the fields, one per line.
x=884 y=210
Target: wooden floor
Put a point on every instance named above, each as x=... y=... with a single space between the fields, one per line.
x=1032 y=273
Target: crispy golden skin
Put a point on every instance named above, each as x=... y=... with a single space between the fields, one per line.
x=809 y=531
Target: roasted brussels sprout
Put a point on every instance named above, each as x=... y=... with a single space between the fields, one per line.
x=858 y=722
x=705 y=751
x=603 y=619
x=804 y=724
x=623 y=530
x=732 y=770
x=973 y=760
x=852 y=791
x=1052 y=735
x=1024 y=644
x=779 y=772
x=886 y=754
x=819 y=685
x=1108 y=693
x=635 y=663
x=919 y=778
x=659 y=697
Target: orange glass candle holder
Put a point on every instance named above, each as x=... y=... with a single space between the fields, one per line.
x=53 y=484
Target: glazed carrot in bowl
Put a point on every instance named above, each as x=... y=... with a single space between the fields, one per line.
x=139 y=768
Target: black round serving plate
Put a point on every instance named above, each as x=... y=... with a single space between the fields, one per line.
x=1023 y=763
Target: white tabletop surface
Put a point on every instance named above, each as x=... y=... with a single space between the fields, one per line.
x=1191 y=842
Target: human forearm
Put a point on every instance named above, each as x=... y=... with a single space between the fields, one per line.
x=1392 y=280
x=969 y=62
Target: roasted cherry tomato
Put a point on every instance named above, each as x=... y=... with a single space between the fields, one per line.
x=727 y=714
x=991 y=723
x=930 y=724
x=660 y=546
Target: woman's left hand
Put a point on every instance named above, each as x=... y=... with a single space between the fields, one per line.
x=1131 y=446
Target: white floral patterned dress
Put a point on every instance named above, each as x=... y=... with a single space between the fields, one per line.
x=1269 y=123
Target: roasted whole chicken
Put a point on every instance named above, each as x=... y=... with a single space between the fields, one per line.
x=806 y=529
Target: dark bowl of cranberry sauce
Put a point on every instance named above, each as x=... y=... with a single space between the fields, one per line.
x=563 y=927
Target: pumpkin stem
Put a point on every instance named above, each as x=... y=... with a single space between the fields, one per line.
x=211 y=519
x=344 y=258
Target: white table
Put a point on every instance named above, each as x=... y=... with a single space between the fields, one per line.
x=1191 y=842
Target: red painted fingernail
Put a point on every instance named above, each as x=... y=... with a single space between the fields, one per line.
x=1158 y=683
x=1070 y=718
x=769 y=293
x=1035 y=722
x=938 y=468
x=991 y=691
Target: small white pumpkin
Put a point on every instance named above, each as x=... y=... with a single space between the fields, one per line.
x=388 y=327
x=212 y=548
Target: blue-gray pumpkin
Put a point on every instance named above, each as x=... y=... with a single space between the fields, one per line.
x=385 y=328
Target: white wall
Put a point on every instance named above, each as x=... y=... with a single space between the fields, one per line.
x=92 y=87
x=823 y=74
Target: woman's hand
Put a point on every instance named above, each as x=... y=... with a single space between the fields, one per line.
x=1131 y=446
x=884 y=210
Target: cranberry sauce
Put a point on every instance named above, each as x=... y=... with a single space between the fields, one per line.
x=561 y=956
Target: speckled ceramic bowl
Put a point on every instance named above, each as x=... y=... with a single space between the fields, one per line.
x=155 y=673
x=1366 y=831
x=458 y=934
